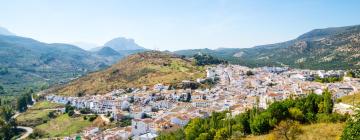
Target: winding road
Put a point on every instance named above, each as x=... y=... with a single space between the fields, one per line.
x=28 y=130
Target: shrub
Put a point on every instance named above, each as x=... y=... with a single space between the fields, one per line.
x=37 y=133
x=92 y=118
x=71 y=113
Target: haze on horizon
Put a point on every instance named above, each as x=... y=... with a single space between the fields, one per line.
x=174 y=25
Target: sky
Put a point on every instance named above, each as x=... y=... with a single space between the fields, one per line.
x=175 y=24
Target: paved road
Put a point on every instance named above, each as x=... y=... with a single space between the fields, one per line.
x=28 y=130
x=15 y=115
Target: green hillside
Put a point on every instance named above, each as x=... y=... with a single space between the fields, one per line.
x=330 y=48
x=27 y=63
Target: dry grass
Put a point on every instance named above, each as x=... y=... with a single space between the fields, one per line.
x=45 y=105
x=33 y=117
x=350 y=99
x=137 y=70
x=319 y=131
x=64 y=126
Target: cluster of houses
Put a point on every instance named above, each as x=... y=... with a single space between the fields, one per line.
x=161 y=108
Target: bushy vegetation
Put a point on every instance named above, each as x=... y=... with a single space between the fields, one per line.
x=205 y=59
x=249 y=73
x=7 y=124
x=220 y=125
x=2 y=90
x=125 y=121
x=328 y=79
x=24 y=100
x=354 y=73
x=37 y=134
x=352 y=128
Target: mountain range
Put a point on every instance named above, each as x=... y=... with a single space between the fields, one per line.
x=28 y=63
x=4 y=31
x=118 y=48
x=329 y=48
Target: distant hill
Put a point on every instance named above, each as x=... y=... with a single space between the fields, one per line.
x=4 y=31
x=107 y=51
x=118 y=48
x=137 y=70
x=121 y=44
x=109 y=54
x=26 y=62
x=329 y=48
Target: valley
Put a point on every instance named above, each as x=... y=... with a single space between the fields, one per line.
x=305 y=88
x=157 y=109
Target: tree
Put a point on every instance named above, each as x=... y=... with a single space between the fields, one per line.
x=21 y=104
x=188 y=97
x=193 y=129
x=68 y=108
x=71 y=113
x=205 y=59
x=287 y=129
x=2 y=90
x=176 y=135
x=311 y=106
x=242 y=123
x=28 y=97
x=249 y=73
x=203 y=136
x=37 y=134
x=51 y=114
x=278 y=110
x=221 y=134
x=85 y=111
x=260 y=123
x=6 y=113
x=7 y=128
x=296 y=114
x=328 y=104
x=352 y=128
x=92 y=118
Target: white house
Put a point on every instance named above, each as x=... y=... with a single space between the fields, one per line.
x=201 y=103
x=210 y=73
x=141 y=126
x=90 y=131
x=159 y=87
x=180 y=120
x=148 y=136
